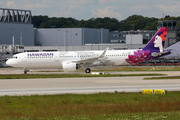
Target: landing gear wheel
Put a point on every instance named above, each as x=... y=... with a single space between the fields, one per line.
x=88 y=70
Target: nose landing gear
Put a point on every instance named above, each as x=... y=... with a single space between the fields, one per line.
x=25 y=70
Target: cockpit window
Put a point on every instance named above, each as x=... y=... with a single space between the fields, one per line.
x=15 y=57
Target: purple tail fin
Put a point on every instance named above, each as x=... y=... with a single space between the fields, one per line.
x=158 y=40
x=153 y=49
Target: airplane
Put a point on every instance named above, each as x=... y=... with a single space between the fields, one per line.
x=73 y=60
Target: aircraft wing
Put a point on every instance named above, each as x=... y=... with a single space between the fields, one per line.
x=91 y=60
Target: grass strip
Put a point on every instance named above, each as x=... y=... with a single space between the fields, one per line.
x=92 y=106
x=168 y=77
x=31 y=76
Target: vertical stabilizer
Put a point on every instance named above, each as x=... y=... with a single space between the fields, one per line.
x=154 y=49
x=158 y=40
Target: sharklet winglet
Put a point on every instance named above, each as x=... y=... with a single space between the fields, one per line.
x=104 y=52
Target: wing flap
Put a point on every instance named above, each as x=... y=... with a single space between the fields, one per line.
x=91 y=60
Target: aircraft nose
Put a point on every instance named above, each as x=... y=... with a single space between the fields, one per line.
x=9 y=63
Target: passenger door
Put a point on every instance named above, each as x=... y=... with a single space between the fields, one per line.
x=57 y=57
x=24 y=57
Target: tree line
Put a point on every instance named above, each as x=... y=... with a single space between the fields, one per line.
x=134 y=22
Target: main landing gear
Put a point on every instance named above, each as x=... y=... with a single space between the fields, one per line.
x=88 y=70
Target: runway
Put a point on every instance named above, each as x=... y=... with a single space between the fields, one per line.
x=86 y=85
x=85 y=90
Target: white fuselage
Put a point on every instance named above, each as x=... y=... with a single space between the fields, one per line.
x=55 y=59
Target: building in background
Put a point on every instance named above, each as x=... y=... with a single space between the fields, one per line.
x=131 y=37
x=70 y=36
x=16 y=23
x=134 y=39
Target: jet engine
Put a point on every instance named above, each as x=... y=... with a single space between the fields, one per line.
x=69 y=66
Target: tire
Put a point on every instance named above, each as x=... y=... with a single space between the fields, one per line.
x=88 y=70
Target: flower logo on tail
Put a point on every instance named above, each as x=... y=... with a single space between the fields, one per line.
x=163 y=36
x=139 y=56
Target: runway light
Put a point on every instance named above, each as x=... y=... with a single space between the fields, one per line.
x=160 y=92
x=151 y=91
x=148 y=91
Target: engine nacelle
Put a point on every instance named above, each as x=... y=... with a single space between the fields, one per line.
x=69 y=66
